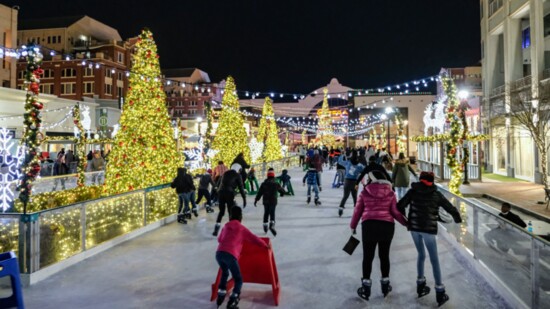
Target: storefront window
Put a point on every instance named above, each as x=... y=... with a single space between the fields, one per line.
x=499 y=150
x=524 y=155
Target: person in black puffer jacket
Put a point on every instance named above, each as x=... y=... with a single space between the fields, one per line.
x=268 y=189
x=231 y=181
x=424 y=201
x=185 y=188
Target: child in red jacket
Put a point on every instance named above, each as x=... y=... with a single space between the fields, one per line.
x=231 y=240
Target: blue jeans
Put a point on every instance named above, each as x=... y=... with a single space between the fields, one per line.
x=429 y=240
x=315 y=189
x=228 y=263
x=185 y=198
x=401 y=191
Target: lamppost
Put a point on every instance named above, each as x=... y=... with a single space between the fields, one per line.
x=463 y=96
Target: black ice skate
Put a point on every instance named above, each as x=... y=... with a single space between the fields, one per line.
x=440 y=296
x=216 y=229
x=233 y=302
x=272 y=228
x=421 y=288
x=195 y=212
x=340 y=211
x=317 y=202
x=308 y=199
x=265 y=228
x=364 y=290
x=187 y=214
x=181 y=219
x=386 y=287
x=209 y=209
x=221 y=297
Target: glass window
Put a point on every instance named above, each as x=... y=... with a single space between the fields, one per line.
x=120 y=57
x=68 y=72
x=88 y=72
x=46 y=88
x=108 y=89
x=88 y=87
x=119 y=91
x=108 y=73
x=526 y=38
x=48 y=73
x=68 y=88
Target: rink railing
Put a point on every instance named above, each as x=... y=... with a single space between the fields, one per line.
x=54 y=239
x=514 y=261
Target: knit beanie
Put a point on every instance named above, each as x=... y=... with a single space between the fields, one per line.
x=270 y=172
x=427 y=178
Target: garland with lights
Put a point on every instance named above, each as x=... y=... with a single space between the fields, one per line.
x=30 y=139
x=455 y=134
x=80 y=147
x=267 y=134
x=231 y=137
x=400 y=137
x=144 y=153
x=304 y=137
x=383 y=141
x=209 y=120
x=325 y=135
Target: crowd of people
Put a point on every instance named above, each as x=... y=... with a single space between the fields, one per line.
x=382 y=193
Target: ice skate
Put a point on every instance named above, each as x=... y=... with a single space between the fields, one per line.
x=340 y=211
x=265 y=227
x=181 y=219
x=317 y=202
x=195 y=212
x=386 y=287
x=421 y=288
x=209 y=209
x=441 y=296
x=308 y=199
x=364 y=290
x=216 y=229
x=272 y=228
x=233 y=302
x=221 y=297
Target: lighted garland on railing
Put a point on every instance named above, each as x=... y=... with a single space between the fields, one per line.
x=80 y=147
x=445 y=136
x=32 y=121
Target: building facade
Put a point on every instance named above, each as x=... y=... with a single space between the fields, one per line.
x=83 y=58
x=515 y=49
x=8 y=41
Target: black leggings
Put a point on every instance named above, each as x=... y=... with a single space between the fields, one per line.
x=269 y=211
x=349 y=187
x=206 y=194
x=225 y=198
x=377 y=233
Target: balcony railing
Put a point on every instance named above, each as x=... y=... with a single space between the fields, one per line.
x=546 y=74
x=521 y=83
x=498 y=91
x=494 y=6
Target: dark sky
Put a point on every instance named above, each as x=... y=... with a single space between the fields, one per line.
x=294 y=45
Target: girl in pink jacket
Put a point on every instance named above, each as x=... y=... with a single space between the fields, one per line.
x=376 y=207
x=231 y=240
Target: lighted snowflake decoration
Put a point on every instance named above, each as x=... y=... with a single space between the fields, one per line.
x=10 y=169
x=256 y=149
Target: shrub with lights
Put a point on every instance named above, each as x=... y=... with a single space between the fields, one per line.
x=144 y=153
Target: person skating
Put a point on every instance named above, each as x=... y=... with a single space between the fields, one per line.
x=252 y=178
x=230 y=181
x=230 y=245
x=185 y=188
x=373 y=166
x=204 y=182
x=353 y=170
x=268 y=190
x=285 y=181
x=400 y=175
x=313 y=182
x=376 y=208
x=424 y=200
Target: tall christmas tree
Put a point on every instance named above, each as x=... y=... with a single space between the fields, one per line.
x=231 y=139
x=326 y=135
x=268 y=134
x=144 y=152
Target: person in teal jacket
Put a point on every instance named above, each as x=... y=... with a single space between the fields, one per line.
x=353 y=170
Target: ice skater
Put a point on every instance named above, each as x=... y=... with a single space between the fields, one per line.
x=230 y=181
x=285 y=182
x=313 y=182
x=353 y=170
x=424 y=200
x=230 y=245
x=204 y=182
x=268 y=189
x=185 y=188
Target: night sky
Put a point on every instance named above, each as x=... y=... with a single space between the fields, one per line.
x=296 y=45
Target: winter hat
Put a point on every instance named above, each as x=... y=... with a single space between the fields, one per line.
x=236 y=167
x=427 y=178
x=376 y=175
x=209 y=171
x=270 y=172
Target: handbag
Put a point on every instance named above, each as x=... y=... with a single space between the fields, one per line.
x=444 y=216
x=351 y=245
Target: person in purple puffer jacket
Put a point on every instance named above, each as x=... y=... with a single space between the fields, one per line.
x=377 y=209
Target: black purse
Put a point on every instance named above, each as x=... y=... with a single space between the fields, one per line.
x=351 y=245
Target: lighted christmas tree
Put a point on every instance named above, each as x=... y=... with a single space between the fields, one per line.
x=268 y=134
x=144 y=152
x=326 y=135
x=231 y=138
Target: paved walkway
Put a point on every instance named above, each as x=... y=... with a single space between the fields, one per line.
x=174 y=266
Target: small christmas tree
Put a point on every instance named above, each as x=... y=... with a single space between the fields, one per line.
x=268 y=134
x=325 y=135
x=231 y=138
x=144 y=153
